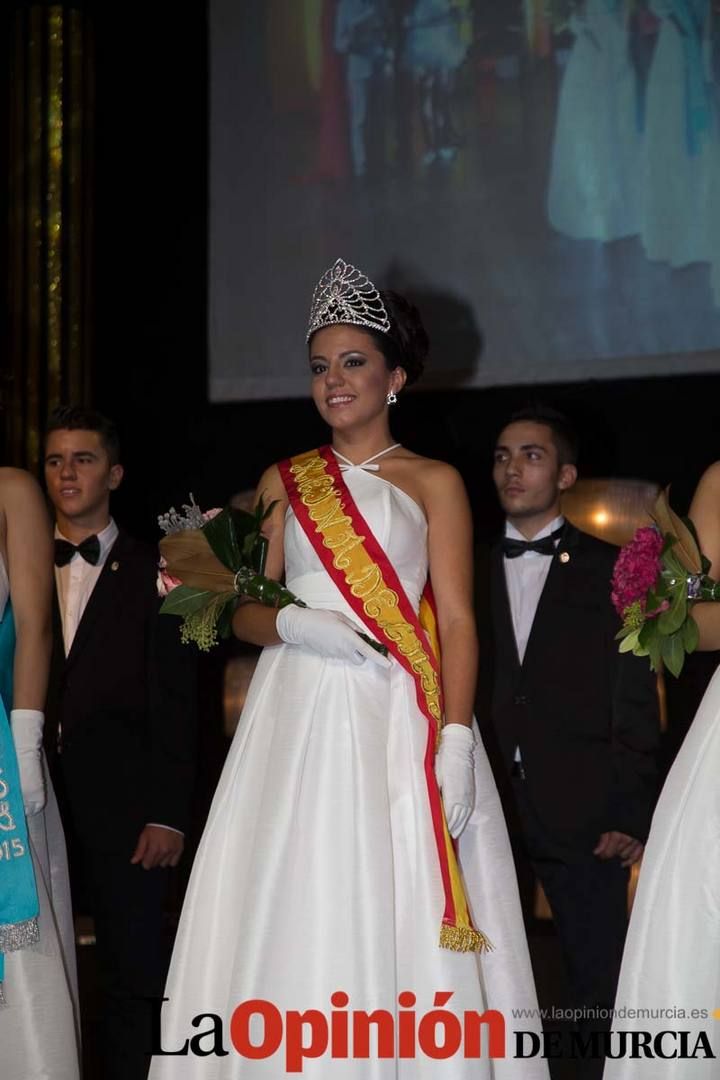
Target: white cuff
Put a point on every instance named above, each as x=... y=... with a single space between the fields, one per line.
x=157 y=825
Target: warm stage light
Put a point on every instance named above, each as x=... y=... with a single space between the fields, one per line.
x=611 y=509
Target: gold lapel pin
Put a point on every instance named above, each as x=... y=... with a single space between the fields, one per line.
x=115 y=566
x=564 y=557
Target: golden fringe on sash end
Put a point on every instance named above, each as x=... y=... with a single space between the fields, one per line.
x=464 y=939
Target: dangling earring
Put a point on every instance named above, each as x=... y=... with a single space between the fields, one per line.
x=391 y=399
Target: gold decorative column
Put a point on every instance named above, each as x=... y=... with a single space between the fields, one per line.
x=50 y=127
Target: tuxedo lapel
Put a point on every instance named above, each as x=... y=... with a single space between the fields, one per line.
x=103 y=598
x=552 y=599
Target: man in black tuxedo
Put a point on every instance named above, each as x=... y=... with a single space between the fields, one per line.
x=121 y=713
x=575 y=724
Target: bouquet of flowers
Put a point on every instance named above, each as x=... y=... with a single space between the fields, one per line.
x=208 y=561
x=656 y=579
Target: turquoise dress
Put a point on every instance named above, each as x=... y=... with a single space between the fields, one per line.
x=39 y=1023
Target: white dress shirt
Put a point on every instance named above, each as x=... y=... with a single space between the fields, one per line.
x=76 y=580
x=525 y=576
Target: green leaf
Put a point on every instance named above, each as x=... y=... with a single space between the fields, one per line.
x=185 y=601
x=655 y=597
x=672 y=619
x=220 y=535
x=647 y=633
x=661 y=589
x=691 y=635
x=654 y=650
x=382 y=649
x=246 y=532
x=262 y=511
x=674 y=566
x=223 y=625
x=673 y=653
x=259 y=554
x=628 y=643
x=246 y=524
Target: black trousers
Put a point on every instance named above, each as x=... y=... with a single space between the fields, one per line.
x=588 y=900
x=132 y=955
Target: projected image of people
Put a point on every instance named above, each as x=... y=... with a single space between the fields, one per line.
x=681 y=157
x=363 y=36
x=437 y=36
x=551 y=166
x=593 y=191
x=638 y=152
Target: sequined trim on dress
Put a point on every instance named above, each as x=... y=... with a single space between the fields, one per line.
x=14 y=936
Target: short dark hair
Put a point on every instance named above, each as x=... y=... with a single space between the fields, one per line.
x=80 y=418
x=564 y=435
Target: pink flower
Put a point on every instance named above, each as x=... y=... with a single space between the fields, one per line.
x=208 y=515
x=664 y=605
x=165 y=582
x=637 y=569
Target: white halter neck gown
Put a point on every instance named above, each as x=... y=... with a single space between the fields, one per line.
x=318 y=870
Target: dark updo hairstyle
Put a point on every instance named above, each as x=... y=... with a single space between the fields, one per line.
x=406 y=343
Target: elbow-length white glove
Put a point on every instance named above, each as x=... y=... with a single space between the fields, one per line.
x=455 y=774
x=27 y=730
x=328 y=633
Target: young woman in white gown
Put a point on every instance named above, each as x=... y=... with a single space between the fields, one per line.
x=681 y=145
x=672 y=952
x=38 y=1020
x=318 y=871
x=594 y=192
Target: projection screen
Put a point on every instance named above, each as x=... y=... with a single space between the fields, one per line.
x=541 y=176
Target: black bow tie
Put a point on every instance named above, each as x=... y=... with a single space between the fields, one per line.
x=89 y=549
x=545 y=546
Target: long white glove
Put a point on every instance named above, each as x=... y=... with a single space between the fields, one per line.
x=328 y=633
x=27 y=730
x=455 y=774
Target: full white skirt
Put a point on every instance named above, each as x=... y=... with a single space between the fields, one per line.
x=672 y=954
x=318 y=873
x=39 y=1027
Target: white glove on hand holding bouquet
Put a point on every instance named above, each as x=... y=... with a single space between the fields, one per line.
x=455 y=774
x=328 y=633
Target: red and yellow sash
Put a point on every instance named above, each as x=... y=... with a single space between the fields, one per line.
x=366 y=578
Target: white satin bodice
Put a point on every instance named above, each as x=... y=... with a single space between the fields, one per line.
x=398 y=524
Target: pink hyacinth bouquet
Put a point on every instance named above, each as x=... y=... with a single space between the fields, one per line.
x=657 y=578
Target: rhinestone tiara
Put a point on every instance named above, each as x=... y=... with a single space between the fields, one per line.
x=345 y=295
